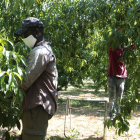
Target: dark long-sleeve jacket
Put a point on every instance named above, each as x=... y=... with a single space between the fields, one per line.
x=40 y=84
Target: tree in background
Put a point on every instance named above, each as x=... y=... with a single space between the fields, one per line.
x=81 y=32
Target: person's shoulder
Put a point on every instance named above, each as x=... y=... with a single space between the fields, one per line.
x=42 y=49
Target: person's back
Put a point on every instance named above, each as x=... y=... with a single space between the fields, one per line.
x=116 y=66
x=46 y=83
x=116 y=76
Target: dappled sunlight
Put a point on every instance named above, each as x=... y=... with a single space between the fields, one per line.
x=87 y=123
x=81 y=127
x=84 y=92
x=87 y=117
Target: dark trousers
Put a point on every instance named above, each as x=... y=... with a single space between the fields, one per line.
x=35 y=123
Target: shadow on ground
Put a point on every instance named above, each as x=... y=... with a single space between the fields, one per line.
x=81 y=108
x=60 y=138
x=80 y=92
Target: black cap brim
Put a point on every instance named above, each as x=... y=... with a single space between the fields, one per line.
x=21 y=31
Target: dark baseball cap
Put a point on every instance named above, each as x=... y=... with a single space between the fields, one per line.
x=27 y=23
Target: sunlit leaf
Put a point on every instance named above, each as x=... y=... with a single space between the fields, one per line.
x=15 y=6
x=30 y=4
x=17 y=75
x=24 y=61
x=2 y=73
x=6 y=3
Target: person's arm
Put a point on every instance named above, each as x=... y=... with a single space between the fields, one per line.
x=130 y=47
x=37 y=62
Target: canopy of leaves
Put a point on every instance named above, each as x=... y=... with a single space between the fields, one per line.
x=81 y=32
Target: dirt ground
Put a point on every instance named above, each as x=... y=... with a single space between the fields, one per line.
x=86 y=121
x=87 y=124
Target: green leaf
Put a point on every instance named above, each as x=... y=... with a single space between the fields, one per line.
x=114 y=122
x=5 y=122
x=6 y=135
x=17 y=75
x=7 y=55
x=13 y=123
x=2 y=116
x=8 y=94
x=20 y=96
x=24 y=61
x=20 y=71
x=3 y=84
x=11 y=43
x=10 y=79
x=18 y=124
x=119 y=124
x=6 y=3
x=12 y=138
x=15 y=85
x=2 y=73
x=10 y=57
x=14 y=55
x=128 y=11
x=136 y=93
x=119 y=132
x=109 y=124
x=4 y=51
x=16 y=6
x=1 y=50
x=58 y=52
x=30 y=4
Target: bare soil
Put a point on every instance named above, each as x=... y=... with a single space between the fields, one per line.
x=87 y=122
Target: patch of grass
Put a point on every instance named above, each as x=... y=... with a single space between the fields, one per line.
x=57 y=138
x=88 y=89
x=139 y=135
x=86 y=103
x=78 y=103
x=90 y=85
x=74 y=133
x=61 y=101
x=85 y=91
x=81 y=91
x=98 y=131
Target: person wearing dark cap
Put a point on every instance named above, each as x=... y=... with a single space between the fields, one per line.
x=40 y=84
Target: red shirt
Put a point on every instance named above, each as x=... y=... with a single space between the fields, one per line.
x=116 y=66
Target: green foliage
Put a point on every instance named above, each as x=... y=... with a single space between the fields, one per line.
x=124 y=23
x=74 y=133
x=121 y=125
x=11 y=71
x=81 y=32
x=86 y=103
x=99 y=64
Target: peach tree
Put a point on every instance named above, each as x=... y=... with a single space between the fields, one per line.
x=81 y=32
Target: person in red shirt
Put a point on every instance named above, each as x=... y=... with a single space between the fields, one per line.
x=116 y=79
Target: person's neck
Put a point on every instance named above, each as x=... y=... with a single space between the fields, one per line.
x=38 y=41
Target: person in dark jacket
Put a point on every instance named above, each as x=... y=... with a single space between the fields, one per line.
x=40 y=84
